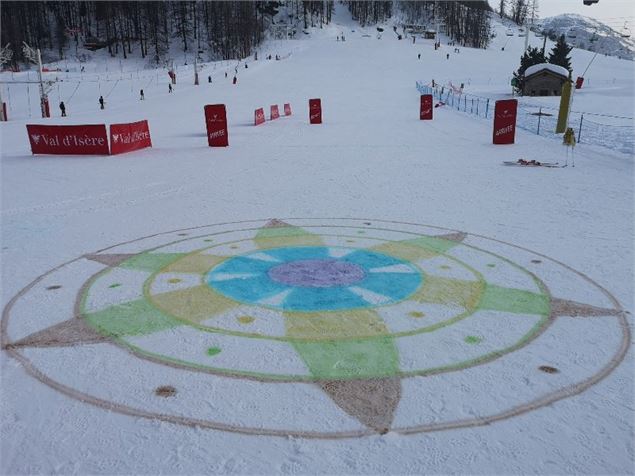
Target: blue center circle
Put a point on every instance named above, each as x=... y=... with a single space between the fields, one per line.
x=315 y=278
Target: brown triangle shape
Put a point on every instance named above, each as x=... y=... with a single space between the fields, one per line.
x=67 y=333
x=563 y=307
x=371 y=401
x=111 y=260
x=275 y=223
x=459 y=236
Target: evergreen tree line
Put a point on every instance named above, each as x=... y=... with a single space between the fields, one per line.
x=222 y=29
x=466 y=22
x=219 y=29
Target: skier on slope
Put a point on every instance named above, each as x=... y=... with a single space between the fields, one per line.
x=63 y=109
x=101 y=102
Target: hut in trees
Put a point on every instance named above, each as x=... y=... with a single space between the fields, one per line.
x=544 y=79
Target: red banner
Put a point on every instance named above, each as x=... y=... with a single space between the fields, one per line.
x=216 y=120
x=579 y=82
x=315 y=111
x=129 y=137
x=275 y=113
x=287 y=109
x=505 y=121
x=68 y=140
x=259 y=116
x=425 y=110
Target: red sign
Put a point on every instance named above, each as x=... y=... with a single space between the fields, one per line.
x=68 y=140
x=287 y=109
x=259 y=116
x=275 y=113
x=216 y=120
x=315 y=111
x=505 y=121
x=579 y=82
x=425 y=110
x=129 y=137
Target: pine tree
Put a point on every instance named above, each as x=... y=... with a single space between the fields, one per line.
x=560 y=54
x=531 y=57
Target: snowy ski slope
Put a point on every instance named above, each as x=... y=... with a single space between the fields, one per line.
x=372 y=160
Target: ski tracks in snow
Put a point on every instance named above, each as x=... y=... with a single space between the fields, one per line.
x=92 y=203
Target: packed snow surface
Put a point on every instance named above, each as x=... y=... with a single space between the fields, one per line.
x=329 y=213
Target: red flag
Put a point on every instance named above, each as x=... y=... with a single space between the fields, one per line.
x=216 y=120
x=425 y=109
x=315 y=111
x=505 y=121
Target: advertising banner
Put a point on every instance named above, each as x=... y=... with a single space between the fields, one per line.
x=259 y=116
x=579 y=82
x=216 y=121
x=129 y=137
x=68 y=140
x=287 y=109
x=425 y=110
x=275 y=113
x=315 y=111
x=505 y=121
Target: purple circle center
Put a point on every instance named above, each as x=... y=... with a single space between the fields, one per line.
x=317 y=273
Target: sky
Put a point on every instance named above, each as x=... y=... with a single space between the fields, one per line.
x=612 y=12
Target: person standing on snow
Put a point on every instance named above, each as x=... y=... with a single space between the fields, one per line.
x=101 y=102
x=141 y=96
x=63 y=109
x=234 y=80
x=169 y=87
x=419 y=56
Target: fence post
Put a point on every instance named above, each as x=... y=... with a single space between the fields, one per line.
x=477 y=101
x=486 y=108
x=539 y=117
x=472 y=107
x=580 y=130
x=465 y=104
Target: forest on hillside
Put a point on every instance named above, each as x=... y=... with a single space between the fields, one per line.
x=214 y=30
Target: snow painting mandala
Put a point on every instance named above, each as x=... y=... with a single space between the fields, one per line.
x=322 y=328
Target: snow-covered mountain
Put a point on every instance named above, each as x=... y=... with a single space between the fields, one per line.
x=588 y=34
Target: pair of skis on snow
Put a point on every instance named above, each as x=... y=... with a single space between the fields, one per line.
x=525 y=163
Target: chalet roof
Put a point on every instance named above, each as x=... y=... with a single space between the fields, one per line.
x=553 y=68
